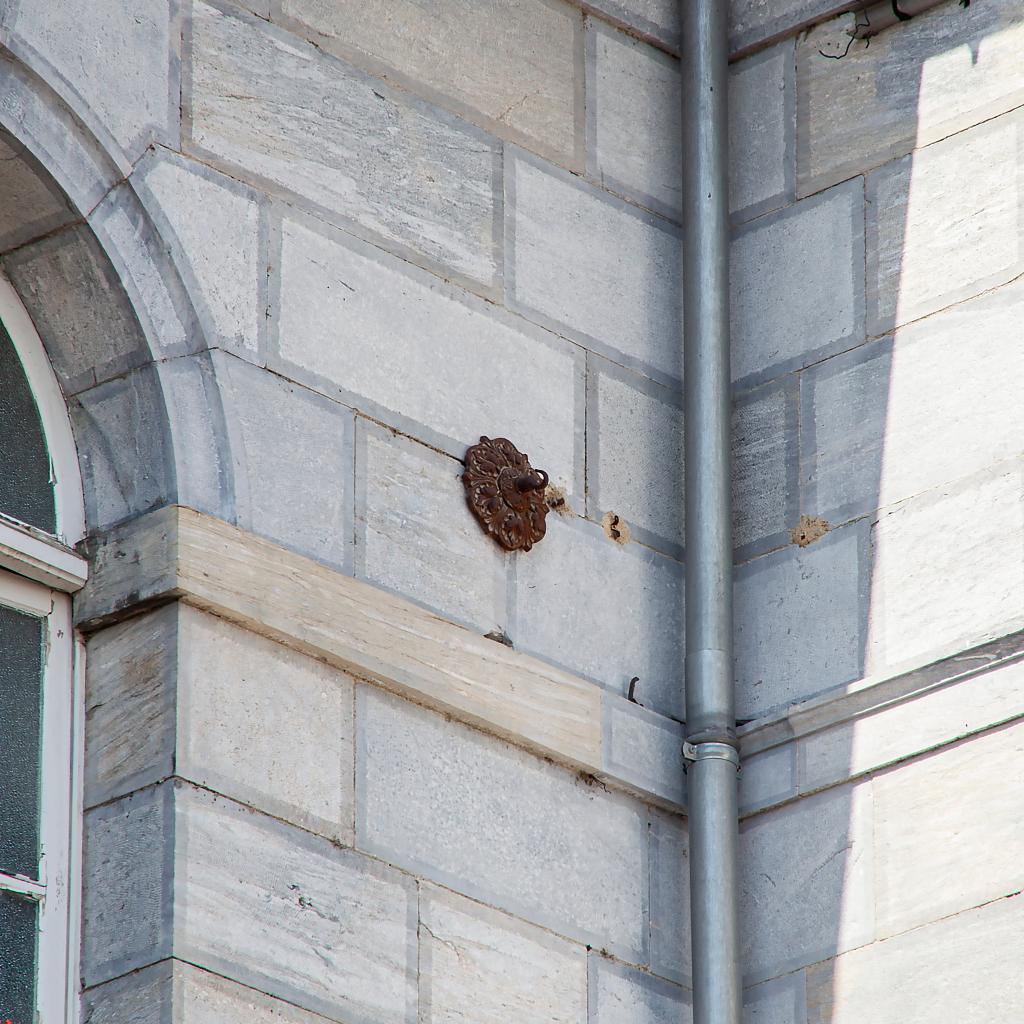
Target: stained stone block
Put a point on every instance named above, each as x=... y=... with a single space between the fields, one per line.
x=511 y=66
x=390 y=165
x=387 y=339
x=479 y=964
x=670 y=897
x=937 y=235
x=949 y=70
x=619 y=994
x=553 y=849
x=31 y=205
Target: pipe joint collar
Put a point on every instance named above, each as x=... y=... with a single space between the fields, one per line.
x=711 y=751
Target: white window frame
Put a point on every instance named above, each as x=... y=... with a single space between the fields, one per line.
x=38 y=573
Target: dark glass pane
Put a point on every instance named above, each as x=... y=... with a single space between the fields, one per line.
x=25 y=489
x=21 y=673
x=17 y=959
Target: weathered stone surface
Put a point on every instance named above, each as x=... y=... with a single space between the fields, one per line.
x=30 y=205
x=644 y=749
x=481 y=965
x=264 y=725
x=605 y=611
x=78 y=306
x=797 y=284
x=633 y=101
x=389 y=339
x=293 y=915
x=670 y=897
x=118 y=69
x=121 y=433
x=761 y=131
x=300 y=502
x=391 y=165
x=129 y=705
x=635 y=457
x=512 y=66
x=592 y=267
x=752 y=21
x=806 y=881
x=415 y=535
x=769 y=777
x=960 y=805
x=963 y=590
x=888 y=421
x=426 y=800
x=911 y=727
x=937 y=235
x=127 y=904
x=622 y=995
x=779 y=1001
x=143 y=997
x=658 y=19
x=799 y=621
x=216 y=224
x=938 y=969
x=951 y=69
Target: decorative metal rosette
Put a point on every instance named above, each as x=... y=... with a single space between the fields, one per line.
x=506 y=493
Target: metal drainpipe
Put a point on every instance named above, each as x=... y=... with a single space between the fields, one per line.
x=711 y=747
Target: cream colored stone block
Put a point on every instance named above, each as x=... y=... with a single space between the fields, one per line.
x=948 y=830
x=480 y=966
x=510 y=64
x=948 y=70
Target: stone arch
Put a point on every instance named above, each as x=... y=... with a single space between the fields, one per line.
x=119 y=327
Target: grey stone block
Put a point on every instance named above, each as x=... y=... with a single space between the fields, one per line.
x=950 y=70
x=936 y=235
x=806 y=881
x=938 y=970
x=622 y=995
x=123 y=440
x=887 y=422
x=518 y=80
x=960 y=805
x=768 y=777
x=426 y=800
x=128 y=904
x=293 y=915
x=31 y=204
x=215 y=225
x=130 y=705
x=797 y=284
x=963 y=590
x=800 y=621
x=670 y=897
x=264 y=725
x=644 y=749
x=292 y=455
x=83 y=316
x=588 y=265
x=396 y=168
x=754 y=21
x=656 y=19
x=394 y=342
x=143 y=997
x=602 y=610
x=779 y=1001
x=479 y=964
x=117 y=70
x=416 y=536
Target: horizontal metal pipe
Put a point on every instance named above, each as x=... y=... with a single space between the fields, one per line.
x=875 y=18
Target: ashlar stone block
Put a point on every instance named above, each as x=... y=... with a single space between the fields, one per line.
x=622 y=995
x=511 y=66
x=393 y=342
x=415 y=535
x=948 y=71
x=481 y=965
x=936 y=235
x=400 y=171
x=549 y=848
x=31 y=205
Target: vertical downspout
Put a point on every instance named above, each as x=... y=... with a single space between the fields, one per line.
x=711 y=746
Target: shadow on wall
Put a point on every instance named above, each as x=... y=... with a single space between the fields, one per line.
x=909 y=450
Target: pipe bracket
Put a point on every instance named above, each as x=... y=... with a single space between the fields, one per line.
x=711 y=751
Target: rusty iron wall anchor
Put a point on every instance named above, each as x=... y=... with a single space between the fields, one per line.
x=505 y=493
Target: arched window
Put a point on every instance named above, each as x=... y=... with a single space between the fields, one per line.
x=40 y=518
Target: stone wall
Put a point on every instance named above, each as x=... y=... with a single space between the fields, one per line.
x=336 y=242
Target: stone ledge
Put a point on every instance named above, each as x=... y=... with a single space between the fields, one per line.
x=176 y=553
